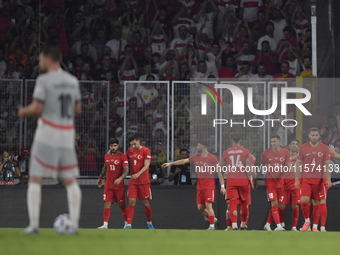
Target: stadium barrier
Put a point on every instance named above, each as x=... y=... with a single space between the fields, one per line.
x=173 y=207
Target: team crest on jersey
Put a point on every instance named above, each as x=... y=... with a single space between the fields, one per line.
x=320 y=154
x=139 y=157
x=116 y=162
x=282 y=159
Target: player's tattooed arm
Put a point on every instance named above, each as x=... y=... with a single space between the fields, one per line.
x=102 y=174
x=125 y=172
x=146 y=166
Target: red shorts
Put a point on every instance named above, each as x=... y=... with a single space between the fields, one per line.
x=273 y=193
x=142 y=191
x=290 y=197
x=112 y=195
x=205 y=195
x=239 y=192
x=314 y=191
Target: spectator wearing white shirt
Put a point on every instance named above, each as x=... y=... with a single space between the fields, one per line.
x=269 y=37
x=262 y=74
x=158 y=39
x=128 y=72
x=210 y=54
x=293 y=60
x=279 y=22
x=202 y=72
x=206 y=18
x=202 y=41
x=117 y=44
x=188 y=5
x=249 y=9
x=147 y=72
x=300 y=21
x=146 y=94
x=181 y=19
x=179 y=43
x=244 y=74
x=244 y=55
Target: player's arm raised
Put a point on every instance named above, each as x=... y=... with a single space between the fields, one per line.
x=102 y=174
x=34 y=109
x=177 y=163
x=145 y=167
x=297 y=173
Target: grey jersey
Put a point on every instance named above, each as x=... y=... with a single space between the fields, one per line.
x=59 y=91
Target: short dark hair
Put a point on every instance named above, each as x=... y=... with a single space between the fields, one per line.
x=270 y=23
x=246 y=63
x=262 y=64
x=287 y=29
x=313 y=129
x=151 y=76
x=296 y=140
x=261 y=11
x=132 y=138
x=275 y=136
x=183 y=149
x=236 y=137
x=285 y=62
x=52 y=52
x=22 y=174
x=202 y=61
x=113 y=140
x=154 y=153
x=264 y=42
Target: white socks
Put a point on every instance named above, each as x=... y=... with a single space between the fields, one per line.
x=33 y=203
x=307 y=220
x=234 y=225
x=106 y=224
x=243 y=224
x=74 y=202
x=315 y=226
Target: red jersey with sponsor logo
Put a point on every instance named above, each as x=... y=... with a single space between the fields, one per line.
x=235 y=159
x=313 y=162
x=137 y=159
x=275 y=161
x=206 y=178
x=114 y=169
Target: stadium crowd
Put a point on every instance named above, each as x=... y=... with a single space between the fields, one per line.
x=112 y=41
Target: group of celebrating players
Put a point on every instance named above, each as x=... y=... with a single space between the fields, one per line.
x=306 y=182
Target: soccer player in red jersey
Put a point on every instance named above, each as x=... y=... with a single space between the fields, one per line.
x=139 y=185
x=290 y=194
x=116 y=166
x=237 y=161
x=276 y=160
x=314 y=159
x=206 y=164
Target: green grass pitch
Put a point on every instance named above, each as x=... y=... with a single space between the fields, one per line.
x=161 y=242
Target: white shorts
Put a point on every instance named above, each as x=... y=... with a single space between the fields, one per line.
x=48 y=161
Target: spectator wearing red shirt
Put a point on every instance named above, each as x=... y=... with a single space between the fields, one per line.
x=137 y=41
x=242 y=34
x=227 y=71
x=5 y=22
x=284 y=72
x=288 y=41
x=268 y=57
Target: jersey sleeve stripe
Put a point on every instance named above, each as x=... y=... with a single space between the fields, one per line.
x=56 y=125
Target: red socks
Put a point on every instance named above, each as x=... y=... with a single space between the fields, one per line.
x=276 y=215
x=323 y=214
x=123 y=209
x=270 y=217
x=295 y=216
x=282 y=215
x=130 y=213
x=310 y=212
x=211 y=219
x=244 y=210
x=305 y=207
x=148 y=213
x=233 y=208
x=106 y=216
x=247 y=217
x=316 y=214
x=228 y=223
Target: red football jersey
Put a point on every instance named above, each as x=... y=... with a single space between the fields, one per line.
x=206 y=180
x=114 y=169
x=275 y=162
x=137 y=159
x=313 y=161
x=289 y=179
x=235 y=159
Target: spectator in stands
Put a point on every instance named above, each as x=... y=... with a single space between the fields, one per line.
x=120 y=101
x=178 y=43
x=3 y=65
x=227 y=71
x=158 y=39
x=78 y=65
x=19 y=57
x=207 y=19
x=100 y=22
x=128 y=72
x=117 y=44
x=244 y=55
x=77 y=48
x=106 y=66
x=202 y=73
x=244 y=73
x=181 y=174
x=289 y=41
x=23 y=179
x=84 y=51
x=146 y=97
x=147 y=72
x=308 y=72
x=268 y=57
x=330 y=133
x=156 y=171
x=262 y=73
x=168 y=71
x=269 y=37
x=88 y=15
x=242 y=33
x=114 y=119
x=284 y=72
x=5 y=22
x=180 y=19
x=8 y=168
x=280 y=19
x=99 y=42
x=249 y=9
x=209 y=55
x=147 y=56
x=300 y=21
x=293 y=60
x=259 y=26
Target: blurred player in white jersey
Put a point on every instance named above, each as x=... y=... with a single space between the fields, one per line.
x=56 y=100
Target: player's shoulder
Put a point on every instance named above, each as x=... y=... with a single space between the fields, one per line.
x=146 y=149
x=129 y=151
x=284 y=150
x=323 y=146
x=267 y=151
